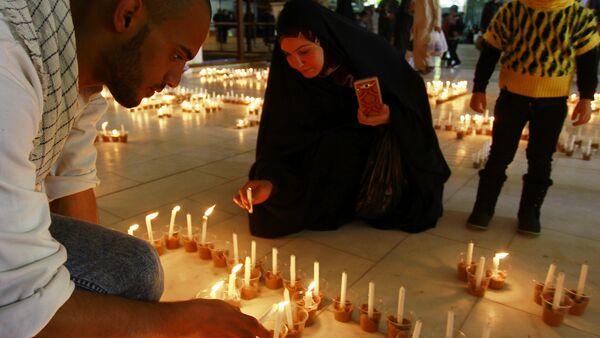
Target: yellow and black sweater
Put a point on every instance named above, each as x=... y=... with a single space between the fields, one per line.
x=539 y=41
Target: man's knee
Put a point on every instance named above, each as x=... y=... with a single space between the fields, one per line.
x=145 y=279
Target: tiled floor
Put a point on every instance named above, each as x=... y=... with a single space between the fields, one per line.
x=196 y=160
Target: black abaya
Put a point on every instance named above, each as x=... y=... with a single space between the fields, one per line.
x=312 y=148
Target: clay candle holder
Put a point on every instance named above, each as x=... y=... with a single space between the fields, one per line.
x=579 y=304
x=398 y=330
x=497 y=280
x=273 y=282
x=296 y=329
x=461 y=268
x=250 y=291
x=189 y=244
x=298 y=298
x=555 y=317
x=477 y=290
x=219 y=253
x=157 y=241
x=369 y=324
x=204 y=248
x=172 y=243
x=342 y=314
x=298 y=286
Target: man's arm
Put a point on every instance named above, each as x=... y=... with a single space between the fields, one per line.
x=81 y=205
x=98 y=315
x=587 y=80
x=485 y=67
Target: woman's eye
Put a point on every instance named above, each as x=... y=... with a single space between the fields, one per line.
x=177 y=57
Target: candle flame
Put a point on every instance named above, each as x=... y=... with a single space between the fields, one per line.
x=209 y=210
x=104 y=124
x=237 y=268
x=134 y=227
x=283 y=304
x=176 y=208
x=114 y=132
x=217 y=286
x=501 y=255
x=151 y=216
x=312 y=285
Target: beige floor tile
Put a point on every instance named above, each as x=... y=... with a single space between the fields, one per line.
x=110 y=183
x=222 y=195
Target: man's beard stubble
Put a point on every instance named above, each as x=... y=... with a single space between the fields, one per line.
x=125 y=73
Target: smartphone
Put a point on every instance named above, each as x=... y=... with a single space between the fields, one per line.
x=369 y=96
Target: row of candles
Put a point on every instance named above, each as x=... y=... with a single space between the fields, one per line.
x=114 y=135
x=445 y=91
x=551 y=292
x=569 y=143
x=481 y=156
x=466 y=124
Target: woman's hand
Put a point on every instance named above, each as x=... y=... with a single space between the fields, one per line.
x=261 y=191
x=375 y=120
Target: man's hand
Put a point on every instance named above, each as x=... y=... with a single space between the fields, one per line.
x=92 y=315
x=582 y=112
x=81 y=205
x=261 y=191
x=478 y=102
x=374 y=120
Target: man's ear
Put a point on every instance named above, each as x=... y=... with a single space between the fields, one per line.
x=128 y=14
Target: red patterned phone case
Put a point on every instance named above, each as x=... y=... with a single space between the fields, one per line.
x=369 y=96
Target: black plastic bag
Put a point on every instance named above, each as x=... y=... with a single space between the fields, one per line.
x=382 y=183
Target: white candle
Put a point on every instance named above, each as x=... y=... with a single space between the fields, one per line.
x=253 y=254
x=149 y=219
x=450 y=324
x=204 y=225
x=549 y=277
x=277 y=322
x=469 y=259
x=172 y=223
x=417 y=330
x=249 y=197
x=487 y=330
x=274 y=261
x=479 y=272
x=588 y=147
x=292 y=270
x=231 y=285
x=122 y=128
x=288 y=307
x=316 y=276
x=496 y=261
x=236 y=255
x=558 y=293
x=308 y=296
x=247 y=271
x=189 y=225
x=371 y=300
x=104 y=124
x=343 y=290
x=400 y=310
x=132 y=228
x=582 y=277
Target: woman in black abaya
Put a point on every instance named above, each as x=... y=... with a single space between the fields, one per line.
x=313 y=142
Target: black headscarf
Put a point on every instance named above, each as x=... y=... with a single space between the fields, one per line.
x=296 y=110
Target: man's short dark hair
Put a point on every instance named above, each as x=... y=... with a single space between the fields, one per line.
x=161 y=10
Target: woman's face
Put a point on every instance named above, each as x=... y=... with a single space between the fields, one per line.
x=303 y=55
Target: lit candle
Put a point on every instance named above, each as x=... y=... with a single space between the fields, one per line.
x=149 y=219
x=582 y=277
x=450 y=324
x=132 y=228
x=231 y=284
x=288 y=307
x=172 y=223
x=371 y=300
x=249 y=197
x=122 y=129
x=316 y=276
x=215 y=288
x=469 y=259
x=247 y=271
x=400 y=310
x=292 y=270
x=114 y=133
x=558 y=293
x=308 y=296
x=189 y=225
x=253 y=254
x=278 y=323
x=417 y=330
x=236 y=255
x=496 y=262
x=549 y=277
x=104 y=124
x=343 y=290
x=479 y=272
x=205 y=222
x=274 y=261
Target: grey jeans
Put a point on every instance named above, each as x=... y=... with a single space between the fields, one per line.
x=107 y=261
